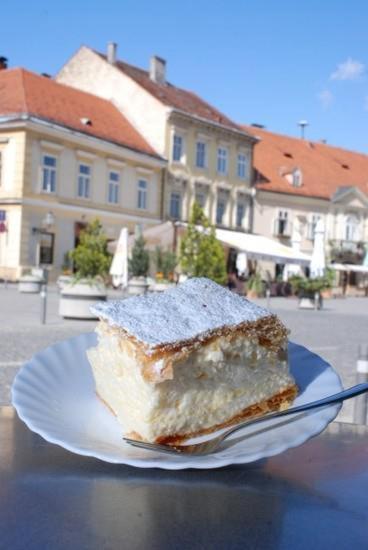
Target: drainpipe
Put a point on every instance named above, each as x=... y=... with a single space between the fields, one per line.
x=163 y=190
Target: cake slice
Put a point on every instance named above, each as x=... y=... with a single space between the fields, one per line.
x=188 y=361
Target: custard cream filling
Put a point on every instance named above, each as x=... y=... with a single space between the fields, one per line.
x=210 y=386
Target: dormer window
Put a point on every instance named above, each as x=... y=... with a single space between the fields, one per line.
x=297 y=179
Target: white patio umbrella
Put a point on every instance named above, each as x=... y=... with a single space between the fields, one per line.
x=293 y=269
x=119 y=264
x=242 y=264
x=318 y=261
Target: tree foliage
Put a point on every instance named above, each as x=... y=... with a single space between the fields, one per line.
x=139 y=261
x=201 y=254
x=91 y=257
x=165 y=261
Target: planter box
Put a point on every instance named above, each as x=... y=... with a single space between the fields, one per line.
x=76 y=299
x=30 y=284
x=308 y=301
x=137 y=286
x=161 y=287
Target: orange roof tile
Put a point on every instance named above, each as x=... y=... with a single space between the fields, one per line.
x=324 y=168
x=175 y=97
x=25 y=93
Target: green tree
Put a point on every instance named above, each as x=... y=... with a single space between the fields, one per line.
x=91 y=257
x=165 y=261
x=201 y=254
x=139 y=262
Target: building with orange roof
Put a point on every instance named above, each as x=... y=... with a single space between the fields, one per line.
x=209 y=156
x=299 y=182
x=66 y=157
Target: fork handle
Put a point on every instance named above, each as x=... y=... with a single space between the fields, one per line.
x=330 y=400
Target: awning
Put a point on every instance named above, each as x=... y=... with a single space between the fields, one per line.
x=350 y=267
x=258 y=247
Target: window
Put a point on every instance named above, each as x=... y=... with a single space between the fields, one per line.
x=242 y=168
x=282 y=223
x=222 y=160
x=200 y=198
x=352 y=228
x=84 y=181
x=48 y=174
x=175 y=199
x=297 y=178
x=142 y=194
x=220 y=211
x=240 y=213
x=312 y=226
x=201 y=154
x=177 y=148
x=114 y=184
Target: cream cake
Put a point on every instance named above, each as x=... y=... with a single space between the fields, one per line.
x=188 y=361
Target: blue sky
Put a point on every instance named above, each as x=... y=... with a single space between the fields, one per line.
x=266 y=61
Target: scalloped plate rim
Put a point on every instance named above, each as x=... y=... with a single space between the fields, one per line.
x=166 y=463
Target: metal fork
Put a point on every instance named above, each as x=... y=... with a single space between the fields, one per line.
x=210 y=446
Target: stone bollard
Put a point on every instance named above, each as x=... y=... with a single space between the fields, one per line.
x=268 y=296
x=43 y=296
x=361 y=402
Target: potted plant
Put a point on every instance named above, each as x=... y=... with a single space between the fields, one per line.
x=66 y=271
x=254 y=286
x=310 y=291
x=165 y=262
x=138 y=267
x=30 y=282
x=91 y=261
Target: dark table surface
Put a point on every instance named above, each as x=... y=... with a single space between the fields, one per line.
x=314 y=496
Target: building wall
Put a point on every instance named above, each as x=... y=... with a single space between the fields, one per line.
x=157 y=123
x=26 y=204
x=87 y=71
x=300 y=212
x=186 y=178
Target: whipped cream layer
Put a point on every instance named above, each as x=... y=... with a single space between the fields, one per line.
x=209 y=387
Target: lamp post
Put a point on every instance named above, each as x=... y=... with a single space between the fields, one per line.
x=47 y=222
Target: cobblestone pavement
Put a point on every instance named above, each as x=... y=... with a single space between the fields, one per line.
x=334 y=332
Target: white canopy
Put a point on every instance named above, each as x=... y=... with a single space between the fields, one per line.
x=258 y=247
x=350 y=267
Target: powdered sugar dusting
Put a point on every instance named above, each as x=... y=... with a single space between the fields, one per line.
x=188 y=310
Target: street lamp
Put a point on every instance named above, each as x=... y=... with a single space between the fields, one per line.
x=48 y=220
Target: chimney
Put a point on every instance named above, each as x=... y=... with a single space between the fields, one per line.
x=111 y=52
x=3 y=63
x=158 y=69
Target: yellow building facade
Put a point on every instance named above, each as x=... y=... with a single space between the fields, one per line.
x=55 y=179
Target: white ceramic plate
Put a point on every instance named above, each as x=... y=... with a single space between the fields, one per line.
x=54 y=395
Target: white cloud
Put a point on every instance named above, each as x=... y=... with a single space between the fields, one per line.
x=348 y=70
x=326 y=98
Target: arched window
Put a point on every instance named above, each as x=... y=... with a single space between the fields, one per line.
x=352 y=227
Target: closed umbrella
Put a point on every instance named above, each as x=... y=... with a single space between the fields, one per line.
x=119 y=264
x=293 y=269
x=318 y=261
x=242 y=264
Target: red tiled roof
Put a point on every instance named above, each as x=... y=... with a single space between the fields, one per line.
x=178 y=98
x=24 y=92
x=324 y=168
